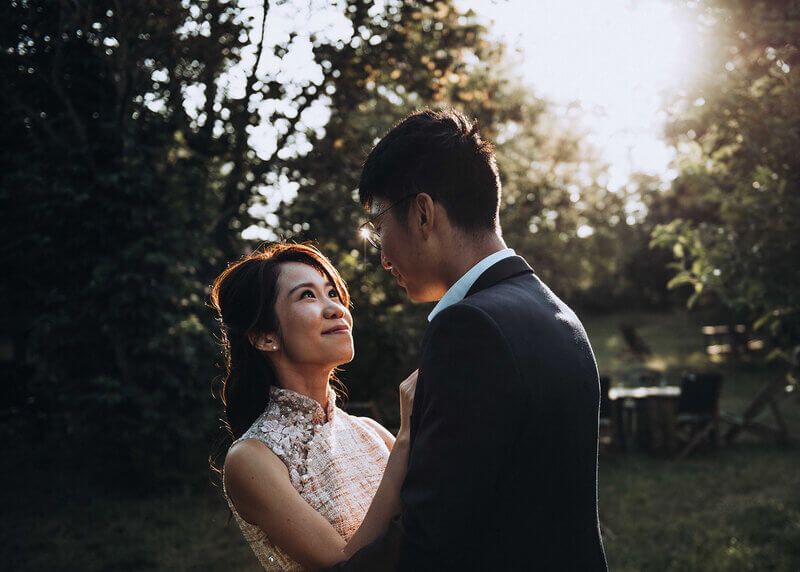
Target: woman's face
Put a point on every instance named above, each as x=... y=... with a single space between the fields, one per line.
x=315 y=326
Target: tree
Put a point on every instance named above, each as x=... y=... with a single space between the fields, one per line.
x=739 y=137
x=105 y=203
x=438 y=56
x=133 y=134
x=143 y=138
x=413 y=55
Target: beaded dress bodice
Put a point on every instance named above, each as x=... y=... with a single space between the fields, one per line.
x=335 y=465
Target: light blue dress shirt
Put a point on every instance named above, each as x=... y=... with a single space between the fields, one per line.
x=458 y=290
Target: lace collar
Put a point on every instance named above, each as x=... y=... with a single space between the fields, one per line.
x=286 y=399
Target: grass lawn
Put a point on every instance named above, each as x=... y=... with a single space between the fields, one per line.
x=734 y=509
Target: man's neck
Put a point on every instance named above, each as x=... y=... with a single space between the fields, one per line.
x=469 y=253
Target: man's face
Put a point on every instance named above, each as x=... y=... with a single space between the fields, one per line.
x=403 y=250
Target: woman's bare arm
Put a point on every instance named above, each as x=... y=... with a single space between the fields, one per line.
x=259 y=487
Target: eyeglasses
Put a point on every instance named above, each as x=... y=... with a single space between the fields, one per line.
x=368 y=230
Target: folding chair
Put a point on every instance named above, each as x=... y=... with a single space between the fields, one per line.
x=698 y=410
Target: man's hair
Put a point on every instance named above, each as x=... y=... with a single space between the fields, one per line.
x=442 y=154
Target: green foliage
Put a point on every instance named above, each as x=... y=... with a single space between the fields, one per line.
x=103 y=240
x=739 y=138
x=553 y=182
x=135 y=160
x=413 y=55
x=736 y=509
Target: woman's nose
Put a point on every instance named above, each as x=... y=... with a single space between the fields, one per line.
x=334 y=309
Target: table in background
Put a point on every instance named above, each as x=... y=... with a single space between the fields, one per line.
x=656 y=417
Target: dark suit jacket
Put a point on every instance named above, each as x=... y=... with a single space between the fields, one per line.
x=502 y=471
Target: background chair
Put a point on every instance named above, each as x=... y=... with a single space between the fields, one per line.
x=698 y=410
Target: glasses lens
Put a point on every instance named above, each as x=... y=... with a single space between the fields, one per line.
x=368 y=233
x=374 y=238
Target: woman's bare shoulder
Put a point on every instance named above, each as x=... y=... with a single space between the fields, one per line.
x=250 y=473
x=250 y=454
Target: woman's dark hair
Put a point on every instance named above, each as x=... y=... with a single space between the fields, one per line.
x=244 y=298
x=442 y=154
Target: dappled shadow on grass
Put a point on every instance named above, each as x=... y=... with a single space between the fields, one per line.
x=674 y=337
x=56 y=518
x=733 y=509
x=677 y=347
x=737 y=509
x=125 y=534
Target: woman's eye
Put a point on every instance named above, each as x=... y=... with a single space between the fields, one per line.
x=334 y=292
x=303 y=295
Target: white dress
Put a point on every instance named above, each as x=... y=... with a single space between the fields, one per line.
x=335 y=465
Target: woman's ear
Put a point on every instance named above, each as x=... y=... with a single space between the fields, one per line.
x=263 y=342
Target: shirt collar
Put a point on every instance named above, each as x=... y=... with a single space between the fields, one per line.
x=458 y=290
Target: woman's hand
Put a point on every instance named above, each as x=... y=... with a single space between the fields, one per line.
x=387 y=503
x=407 y=388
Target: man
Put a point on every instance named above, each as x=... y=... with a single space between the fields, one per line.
x=502 y=471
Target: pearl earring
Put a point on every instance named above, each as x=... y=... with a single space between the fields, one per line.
x=274 y=347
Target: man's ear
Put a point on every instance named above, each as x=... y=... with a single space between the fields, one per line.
x=263 y=342
x=424 y=211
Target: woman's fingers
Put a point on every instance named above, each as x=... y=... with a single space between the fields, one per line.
x=409 y=385
x=407 y=389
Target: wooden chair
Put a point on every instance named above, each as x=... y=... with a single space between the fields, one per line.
x=698 y=410
x=766 y=398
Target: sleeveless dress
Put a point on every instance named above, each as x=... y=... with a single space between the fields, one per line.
x=335 y=465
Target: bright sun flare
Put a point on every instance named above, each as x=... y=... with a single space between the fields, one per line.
x=618 y=58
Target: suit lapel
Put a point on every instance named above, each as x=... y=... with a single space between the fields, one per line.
x=499 y=271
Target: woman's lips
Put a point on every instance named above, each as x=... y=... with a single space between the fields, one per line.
x=337 y=331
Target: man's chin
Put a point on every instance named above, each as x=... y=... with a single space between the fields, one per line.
x=410 y=293
x=416 y=294
x=419 y=297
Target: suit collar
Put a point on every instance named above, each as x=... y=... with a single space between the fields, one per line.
x=459 y=290
x=503 y=270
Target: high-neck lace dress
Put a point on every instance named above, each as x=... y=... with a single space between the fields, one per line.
x=335 y=465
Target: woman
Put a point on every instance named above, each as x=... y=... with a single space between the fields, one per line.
x=308 y=484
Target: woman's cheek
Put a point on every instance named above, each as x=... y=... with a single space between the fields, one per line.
x=296 y=332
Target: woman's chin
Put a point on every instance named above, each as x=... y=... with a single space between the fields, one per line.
x=345 y=357
x=350 y=357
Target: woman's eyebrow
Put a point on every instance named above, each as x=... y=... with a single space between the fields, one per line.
x=306 y=285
